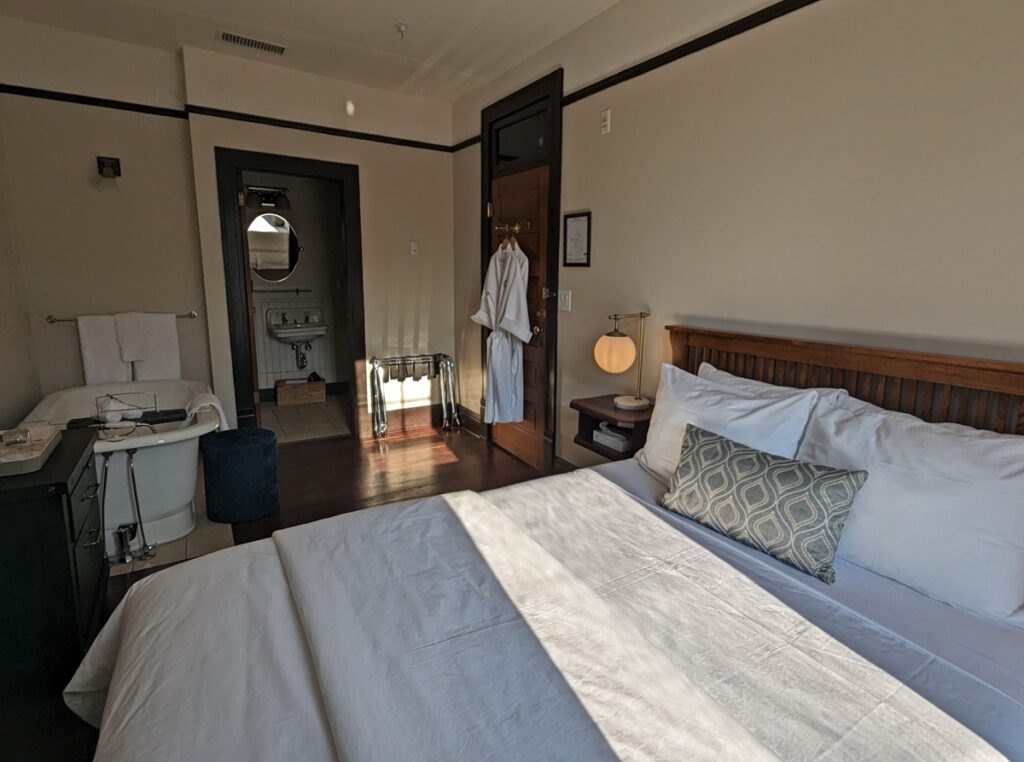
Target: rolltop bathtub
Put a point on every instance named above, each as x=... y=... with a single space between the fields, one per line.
x=166 y=458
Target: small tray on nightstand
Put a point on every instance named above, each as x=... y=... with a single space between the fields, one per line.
x=595 y=410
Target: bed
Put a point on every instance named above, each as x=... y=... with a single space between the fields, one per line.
x=570 y=617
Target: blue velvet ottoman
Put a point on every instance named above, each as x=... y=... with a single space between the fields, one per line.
x=240 y=473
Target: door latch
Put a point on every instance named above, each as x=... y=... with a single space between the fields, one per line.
x=547 y=293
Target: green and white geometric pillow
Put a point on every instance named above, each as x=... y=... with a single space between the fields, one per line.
x=791 y=510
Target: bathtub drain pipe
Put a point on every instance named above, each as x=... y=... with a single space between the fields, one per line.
x=148 y=551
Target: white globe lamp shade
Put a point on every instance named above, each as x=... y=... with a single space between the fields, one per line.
x=615 y=352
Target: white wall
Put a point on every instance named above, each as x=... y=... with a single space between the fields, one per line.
x=34 y=55
x=242 y=85
x=851 y=172
x=405 y=195
x=17 y=363
x=629 y=32
x=82 y=244
x=85 y=244
x=466 y=222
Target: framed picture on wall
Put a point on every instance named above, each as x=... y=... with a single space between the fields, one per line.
x=576 y=240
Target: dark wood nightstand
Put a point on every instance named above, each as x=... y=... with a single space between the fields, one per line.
x=594 y=410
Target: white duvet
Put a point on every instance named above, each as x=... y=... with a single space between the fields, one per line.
x=558 y=619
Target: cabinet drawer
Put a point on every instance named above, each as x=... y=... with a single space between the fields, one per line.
x=89 y=563
x=83 y=497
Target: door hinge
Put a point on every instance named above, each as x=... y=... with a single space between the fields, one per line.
x=490 y=210
x=241 y=199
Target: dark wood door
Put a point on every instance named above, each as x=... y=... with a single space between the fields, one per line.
x=523 y=198
x=250 y=301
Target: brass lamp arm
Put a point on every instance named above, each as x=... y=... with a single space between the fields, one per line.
x=642 y=316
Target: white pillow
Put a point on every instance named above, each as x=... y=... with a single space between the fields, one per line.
x=771 y=425
x=752 y=388
x=942 y=510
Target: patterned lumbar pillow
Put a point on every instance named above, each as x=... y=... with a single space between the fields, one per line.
x=791 y=510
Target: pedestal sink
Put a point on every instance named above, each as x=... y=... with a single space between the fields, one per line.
x=298 y=328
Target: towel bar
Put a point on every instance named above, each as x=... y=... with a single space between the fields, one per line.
x=52 y=319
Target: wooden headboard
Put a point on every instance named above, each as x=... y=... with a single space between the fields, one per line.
x=985 y=394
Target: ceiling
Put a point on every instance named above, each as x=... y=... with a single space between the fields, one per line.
x=450 y=47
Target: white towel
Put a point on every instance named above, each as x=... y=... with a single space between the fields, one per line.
x=207 y=401
x=163 y=356
x=130 y=336
x=101 y=355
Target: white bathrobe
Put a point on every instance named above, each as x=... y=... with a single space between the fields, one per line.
x=504 y=310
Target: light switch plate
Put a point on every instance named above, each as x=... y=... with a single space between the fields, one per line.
x=606 y=121
x=564 y=300
x=414 y=248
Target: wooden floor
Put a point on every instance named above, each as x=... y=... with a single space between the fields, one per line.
x=327 y=477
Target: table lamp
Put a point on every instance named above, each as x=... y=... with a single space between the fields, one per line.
x=615 y=352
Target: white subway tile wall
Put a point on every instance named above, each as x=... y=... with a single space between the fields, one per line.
x=275 y=359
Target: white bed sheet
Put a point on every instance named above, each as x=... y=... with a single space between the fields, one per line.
x=969 y=666
x=248 y=653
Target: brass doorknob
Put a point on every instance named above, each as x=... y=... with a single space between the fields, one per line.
x=537 y=330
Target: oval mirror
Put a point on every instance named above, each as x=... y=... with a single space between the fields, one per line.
x=273 y=247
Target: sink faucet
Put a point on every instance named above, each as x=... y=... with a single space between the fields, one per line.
x=284 y=318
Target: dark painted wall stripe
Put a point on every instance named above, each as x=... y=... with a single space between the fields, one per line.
x=336 y=131
x=745 y=24
x=87 y=100
x=466 y=143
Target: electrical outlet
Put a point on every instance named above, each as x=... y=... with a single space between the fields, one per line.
x=414 y=248
x=565 y=300
x=606 y=121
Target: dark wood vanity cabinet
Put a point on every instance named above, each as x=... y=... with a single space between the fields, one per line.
x=54 y=576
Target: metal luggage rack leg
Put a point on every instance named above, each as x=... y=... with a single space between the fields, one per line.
x=439 y=366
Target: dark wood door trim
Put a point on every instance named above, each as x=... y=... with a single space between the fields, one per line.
x=230 y=164
x=545 y=94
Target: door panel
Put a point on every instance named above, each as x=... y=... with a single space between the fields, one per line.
x=523 y=198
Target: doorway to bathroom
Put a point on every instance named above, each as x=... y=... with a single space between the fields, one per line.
x=293 y=276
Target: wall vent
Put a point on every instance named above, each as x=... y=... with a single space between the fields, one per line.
x=251 y=42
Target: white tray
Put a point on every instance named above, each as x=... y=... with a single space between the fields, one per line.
x=31 y=456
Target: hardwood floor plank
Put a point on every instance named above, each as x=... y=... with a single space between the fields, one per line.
x=328 y=477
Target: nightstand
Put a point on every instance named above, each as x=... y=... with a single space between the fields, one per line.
x=595 y=410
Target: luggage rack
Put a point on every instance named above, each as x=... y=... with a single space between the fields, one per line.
x=439 y=366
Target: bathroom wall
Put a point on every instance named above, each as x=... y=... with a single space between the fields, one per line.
x=315 y=217
x=18 y=377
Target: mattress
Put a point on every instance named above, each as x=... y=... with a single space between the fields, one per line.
x=559 y=618
x=969 y=666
